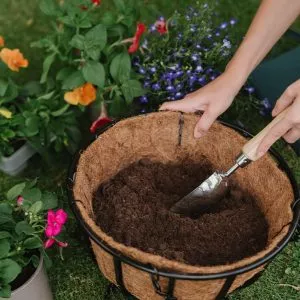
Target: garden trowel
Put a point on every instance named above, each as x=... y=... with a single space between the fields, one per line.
x=214 y=188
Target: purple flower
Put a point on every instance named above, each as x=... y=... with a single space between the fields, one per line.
x=170 y=88
x=147 y=84
x=199 y=69
x=209 y=71
x=179 y=74
x=156 y=87
x=226 y=44
x=267 y=104
x=188 y=72
x=152 y=28
x=202 y=80
x=198 y=46
x=142 y=71
x=179 y=86
x=195 y=57
x=153 y=70
x=223 y=25
x=178 y=95
x=218 y=33
x=250 y=89
x=213 y=77
x=143 y=99
x=233 y=21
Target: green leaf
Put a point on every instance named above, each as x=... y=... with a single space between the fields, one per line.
x=49 y=200
x=32 y=195
x=4 y=235
x=15 y=191
x=32 y=126
x=132 y=89
x=94 y=73
x=32 y=88
x=120 y=5
x=64 y=73
x=46 y=66
x=32 y=243
x=5 y=291
x=9 y=270
x=49 y=7
x=76 y=79
x=35 y=260
x=67 y=20
x=60 y=111
x=4 y=248
x=36 y=207
x=97 y=36
x=24 y=227
x=120 y=67
x=5 y=208
x=77 y=41
x=3 y=87
x=94 y=53
x=46 y=96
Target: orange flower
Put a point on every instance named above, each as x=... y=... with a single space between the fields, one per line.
x=2 y=41
x=14 y=59
x=83 y=95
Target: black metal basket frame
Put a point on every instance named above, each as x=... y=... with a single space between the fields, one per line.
x=172 y=276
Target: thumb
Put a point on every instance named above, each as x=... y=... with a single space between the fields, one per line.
x=184 y=105
x=205 y=122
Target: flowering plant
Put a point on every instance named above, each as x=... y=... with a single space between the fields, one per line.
x=183 y=53
x=89 y=52
x=32 y=112
x=28 y=225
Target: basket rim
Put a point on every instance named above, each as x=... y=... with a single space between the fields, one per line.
x=188 y=276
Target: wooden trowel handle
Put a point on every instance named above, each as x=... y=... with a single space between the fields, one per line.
x=250 y=149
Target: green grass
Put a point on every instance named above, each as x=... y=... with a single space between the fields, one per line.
x=78 y=277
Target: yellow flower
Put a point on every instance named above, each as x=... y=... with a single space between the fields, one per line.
x=83 y=95
x=5 y=113
x=2 y=41
x=14 y=59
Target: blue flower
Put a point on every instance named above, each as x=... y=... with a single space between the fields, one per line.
x=267 y=104
x=142 y=71
x=199 y=69
x=179 y=87
x=152 y=28
x=195 y=57
x=202 y=80
x=170 y=88
x=250 y=89
x=223 y=25
x=178 y=95
x=198 y=46
x=153 y=70
x=155 y=86
x=217 y=33
x=226 y=44
x=233 y=21
x=147 y=84
x=143 y=99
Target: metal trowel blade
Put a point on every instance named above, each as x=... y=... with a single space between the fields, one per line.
x=202 y=197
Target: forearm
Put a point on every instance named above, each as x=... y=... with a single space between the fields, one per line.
x=272 y=19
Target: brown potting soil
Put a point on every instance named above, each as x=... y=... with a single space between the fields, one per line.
x=134 y=208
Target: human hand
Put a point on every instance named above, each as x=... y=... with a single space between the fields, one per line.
x=289 y=126
x=213 y=100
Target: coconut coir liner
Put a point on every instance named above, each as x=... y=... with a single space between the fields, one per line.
x=134 y=208
x=155 y=136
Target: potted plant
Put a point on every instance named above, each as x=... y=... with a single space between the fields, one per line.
x=91 y=48
x=28 y=225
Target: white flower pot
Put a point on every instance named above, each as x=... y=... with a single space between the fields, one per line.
x=35 y=288
x=16 y=163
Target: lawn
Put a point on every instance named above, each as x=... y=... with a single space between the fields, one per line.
x=78 y=277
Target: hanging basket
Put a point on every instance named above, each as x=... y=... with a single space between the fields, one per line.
x=167 y=137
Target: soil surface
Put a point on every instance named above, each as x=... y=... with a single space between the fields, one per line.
x=134 y=208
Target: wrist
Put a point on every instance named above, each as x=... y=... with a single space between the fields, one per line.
x=234 y=80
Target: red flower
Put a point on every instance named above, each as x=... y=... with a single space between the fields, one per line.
x=161 y=27
x=96 y=2
x=102 y=120
x=140 y=29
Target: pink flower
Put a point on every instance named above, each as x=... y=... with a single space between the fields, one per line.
x=20 y=200
x=101 y=121
x=58 y=217
x=49 y=243
x=55 y=221
x=161 y=27
x=96 y=2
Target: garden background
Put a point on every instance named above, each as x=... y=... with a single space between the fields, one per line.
x=78 y=277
